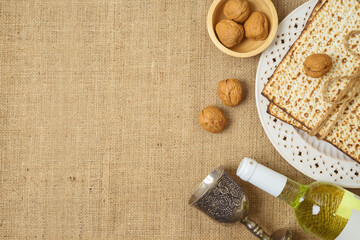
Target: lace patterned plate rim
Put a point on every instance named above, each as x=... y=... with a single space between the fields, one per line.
x=316 y=159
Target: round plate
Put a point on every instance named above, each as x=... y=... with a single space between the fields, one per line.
x=316 y=159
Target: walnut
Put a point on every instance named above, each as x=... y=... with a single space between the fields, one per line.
x=229 y=32
x=237 y=10
x=257 y=26
x=230 y=92
x=212 y=119
x=317 y=65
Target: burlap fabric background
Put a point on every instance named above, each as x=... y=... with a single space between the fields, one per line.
x=98 y=122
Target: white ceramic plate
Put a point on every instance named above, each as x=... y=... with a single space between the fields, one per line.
x=317 y=159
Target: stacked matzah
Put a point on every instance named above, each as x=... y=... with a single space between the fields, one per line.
x=296 y=99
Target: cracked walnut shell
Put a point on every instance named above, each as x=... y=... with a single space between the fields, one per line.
x=229 y=33
x=212 y=119
x=237 y=10
x=230 y=92
x=257 y=26
x=317 y=65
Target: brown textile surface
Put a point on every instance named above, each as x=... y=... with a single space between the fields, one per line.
x=98 y=122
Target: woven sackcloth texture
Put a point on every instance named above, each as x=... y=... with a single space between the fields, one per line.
x=99 y=136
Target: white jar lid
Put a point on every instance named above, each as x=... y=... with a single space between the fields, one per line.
x=246 y=168
x=262 y=177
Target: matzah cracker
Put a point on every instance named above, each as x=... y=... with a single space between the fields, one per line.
x=278 y=112
x=283 y=116
x=299 y=95
x=317 y=7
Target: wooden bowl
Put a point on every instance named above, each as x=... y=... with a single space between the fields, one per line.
x=248 y=47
